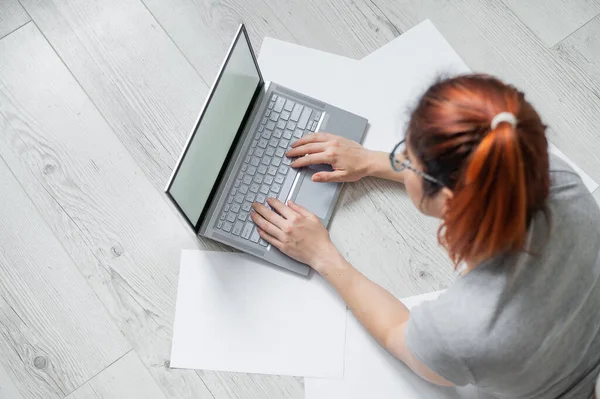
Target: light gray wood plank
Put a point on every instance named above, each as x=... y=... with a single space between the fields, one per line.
x=140 y=82
x=119 y=231
x=252 y=386
x=12 y=16
x=203 y=29
x=126 y=378
x=8 y=388
x=54 y=332
x=552 y=21
x=490 y=39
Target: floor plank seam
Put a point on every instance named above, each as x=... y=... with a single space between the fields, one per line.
x=575 y=31
x=16 y=29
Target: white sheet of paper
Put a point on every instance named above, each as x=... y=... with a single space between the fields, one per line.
x=371 y=372
x=236 y=313
x=382 y=87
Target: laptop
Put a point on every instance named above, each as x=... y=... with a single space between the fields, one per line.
x=235 y=155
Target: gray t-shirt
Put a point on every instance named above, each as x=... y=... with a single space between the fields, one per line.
x=525 y=325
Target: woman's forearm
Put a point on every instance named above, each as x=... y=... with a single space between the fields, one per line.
x=379 y=166
x=376 y=309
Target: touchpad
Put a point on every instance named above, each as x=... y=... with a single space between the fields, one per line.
x=316 y=197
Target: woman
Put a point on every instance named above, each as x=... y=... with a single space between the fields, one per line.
x=522 y=320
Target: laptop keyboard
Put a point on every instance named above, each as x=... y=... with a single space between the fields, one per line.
x=265 y=167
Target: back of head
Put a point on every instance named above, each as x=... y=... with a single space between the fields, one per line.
x=499 y=176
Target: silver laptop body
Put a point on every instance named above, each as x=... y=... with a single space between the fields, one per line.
x=235 y=155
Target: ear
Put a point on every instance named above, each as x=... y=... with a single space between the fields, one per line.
x=444 y=196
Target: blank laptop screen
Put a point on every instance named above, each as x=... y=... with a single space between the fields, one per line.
x=216 y=131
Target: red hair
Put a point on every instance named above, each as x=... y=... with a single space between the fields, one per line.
x=499 y=177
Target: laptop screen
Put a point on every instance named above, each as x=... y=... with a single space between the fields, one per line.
x=207 y=150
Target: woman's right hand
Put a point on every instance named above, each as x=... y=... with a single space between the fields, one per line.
x=350 y=161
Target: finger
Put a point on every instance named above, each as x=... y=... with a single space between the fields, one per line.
x=311 y=159
x=301 y=210
x=268 y=214
x=335 y=176
x=311 y=138
x=280 y=207
x=270 y=239
x=267 y=226
x=309 y=148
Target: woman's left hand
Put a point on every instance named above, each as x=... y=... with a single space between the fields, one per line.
x=294 y=231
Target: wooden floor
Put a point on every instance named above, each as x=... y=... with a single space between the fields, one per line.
x=96 y=101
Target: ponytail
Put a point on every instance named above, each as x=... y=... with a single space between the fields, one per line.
x=479 y=221
x=483 y=141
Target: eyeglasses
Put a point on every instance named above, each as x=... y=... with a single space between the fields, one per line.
x=399 y=166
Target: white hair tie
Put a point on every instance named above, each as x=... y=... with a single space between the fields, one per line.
x=507 y=117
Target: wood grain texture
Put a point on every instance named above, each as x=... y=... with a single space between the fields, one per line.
x=552 y=21
x=54 y=332
x=203 y=29
x=8 y=387
x=12 y=16
x=119 y=231
x=490 y=39
x=140 y=82
x=126 y=378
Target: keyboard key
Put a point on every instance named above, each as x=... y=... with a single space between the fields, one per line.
x=231 y=217
x=281 y=124
x=237 y=183
x=279 y=104
x=274 y=117
x=277 y=133
x=283 y=169
x=235 y=207
x=243 y=216
x=227 y=207
x=298 y=133
x=254 y=188
x=266 y=160
x=287 y=134
x=247 y=206
x=223 y=215
x=255 y=161
x=267 y=134
x=271 y=105
x=296 y=112
x=261 y=198
x=244 y=167
x=279 y=152
x=251 y=170
x=289 y=105
x=262 y=169
x=239 y=198
x=227 y=226
x=247 y=159
x=237 y=229
x=263 y=242
x=270 y=151
x=316 y=115
x=287 y=161
x=250 y=196
x=247 y=230
x=285 y=115
x=275 y=188
x=262 y=143
x=243 y=189
x=274 y=142
x=304 y=118
x=257 y=136
x=264 y=121
x=270 y=125
x=259 y=153
x=274 y=97
x=268 y=179
x=220 y=224
x=229 y=200
x=258 y=179
x=291 y=125
x=247 y=179
x=284 y=143
x=314 y=126
x=255 y=236
x=276 y=161
x=272 y=170
x=268 y=113
x=279 y=178
x=261 y=128
x=254 y=143
x=263 y=189
x=251 y=151
x=233 y=191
